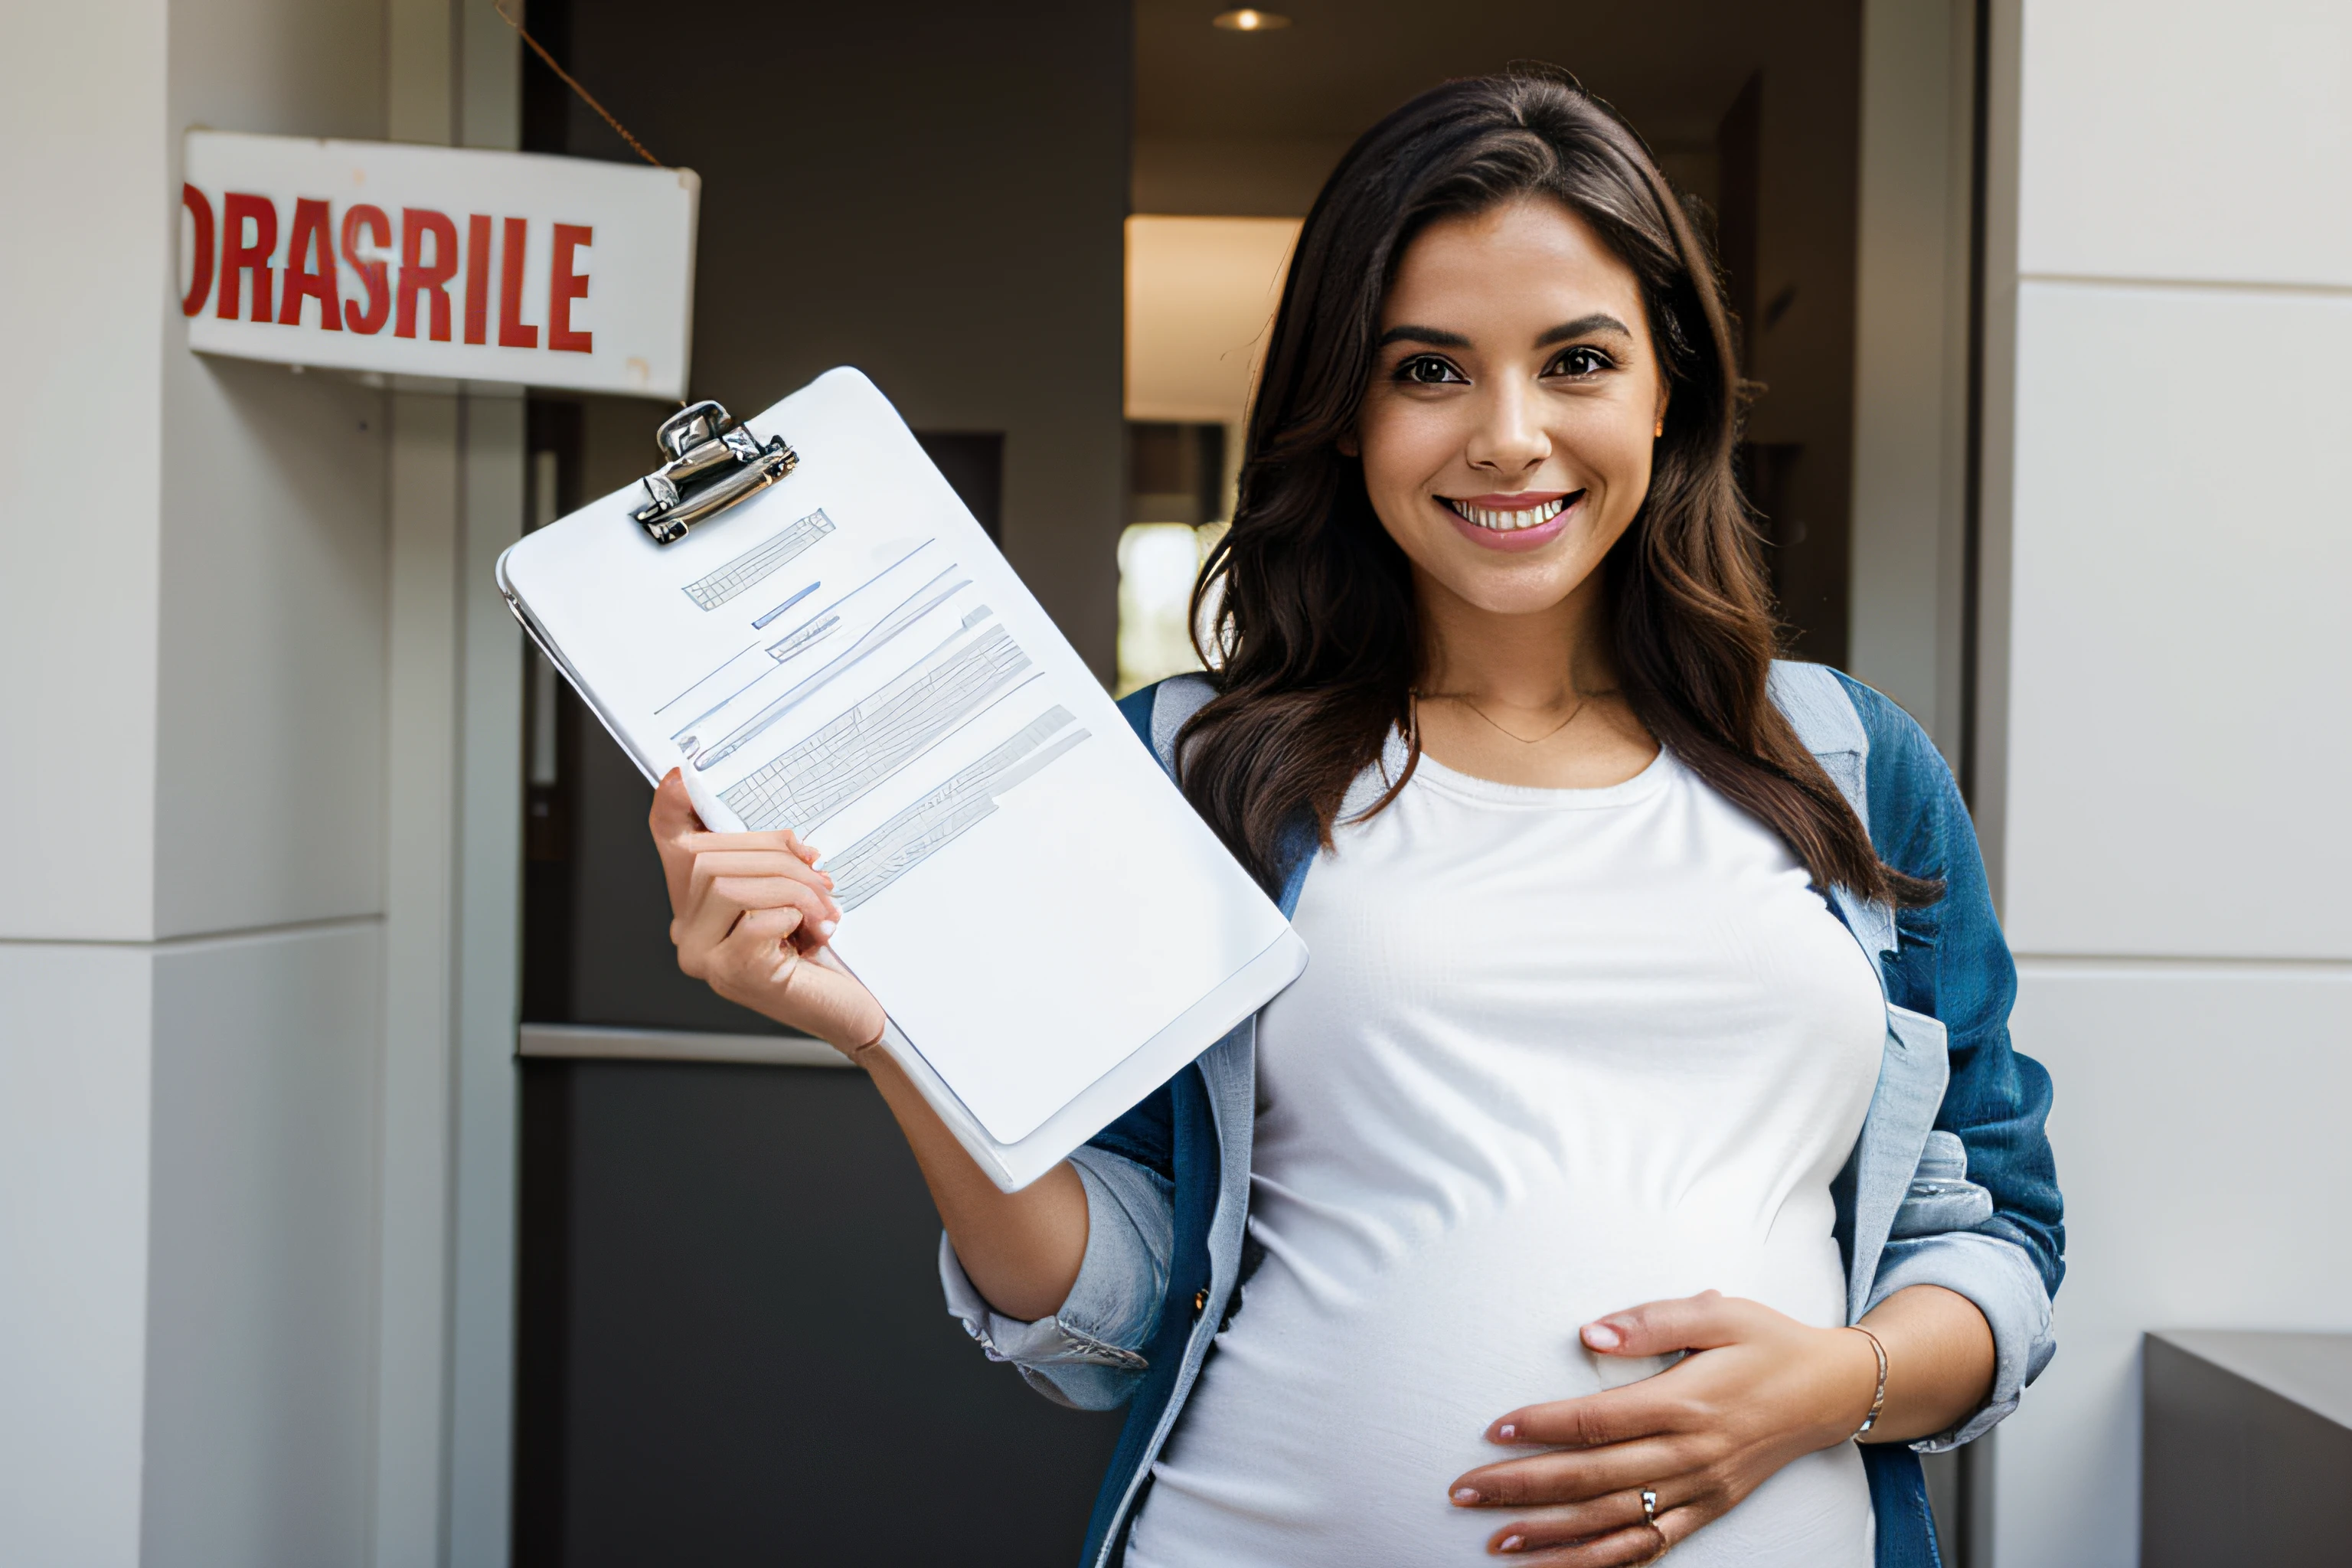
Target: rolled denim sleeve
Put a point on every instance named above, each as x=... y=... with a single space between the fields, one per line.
x=1087 y=1354
x=2000 y=1277
x=1986 y=1219
x=1953 y=964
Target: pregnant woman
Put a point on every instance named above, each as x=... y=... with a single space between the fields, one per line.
x=1641 y=1164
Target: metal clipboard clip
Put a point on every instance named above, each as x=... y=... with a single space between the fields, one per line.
x=714 y=463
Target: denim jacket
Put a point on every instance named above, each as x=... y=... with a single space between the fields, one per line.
x=1950 y=1182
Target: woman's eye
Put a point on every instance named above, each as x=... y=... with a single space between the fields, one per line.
x=1582 y=362
x=1428 y=370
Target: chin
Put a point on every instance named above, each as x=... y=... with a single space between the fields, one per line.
x=1522 y=588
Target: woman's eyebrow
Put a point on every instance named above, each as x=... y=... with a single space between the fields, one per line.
x=1598 y=321
x=1434 y=337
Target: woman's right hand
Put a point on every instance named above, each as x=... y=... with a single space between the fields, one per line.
x=747 y=912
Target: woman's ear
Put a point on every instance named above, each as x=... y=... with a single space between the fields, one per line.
x=1348 y=446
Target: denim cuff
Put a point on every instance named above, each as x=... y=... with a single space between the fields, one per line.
x=2000 y=1278
x=1087 y=1353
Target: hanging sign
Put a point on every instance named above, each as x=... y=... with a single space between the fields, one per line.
x=439 y=261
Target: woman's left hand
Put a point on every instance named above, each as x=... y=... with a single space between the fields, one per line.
x=1762 y=1390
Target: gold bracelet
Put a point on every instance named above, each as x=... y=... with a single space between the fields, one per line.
x=1878 y=1400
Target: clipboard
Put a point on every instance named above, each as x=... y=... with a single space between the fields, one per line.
x=798 y=611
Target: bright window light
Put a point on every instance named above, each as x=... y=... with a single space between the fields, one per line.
x=1157 y=564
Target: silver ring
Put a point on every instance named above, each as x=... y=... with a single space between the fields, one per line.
x=1650 y=1519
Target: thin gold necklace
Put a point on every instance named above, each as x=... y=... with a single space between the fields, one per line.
x=1581 y=703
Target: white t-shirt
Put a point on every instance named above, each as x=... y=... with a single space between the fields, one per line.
x=1556 y=1053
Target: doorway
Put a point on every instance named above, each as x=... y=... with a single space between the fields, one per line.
x=732 y=1343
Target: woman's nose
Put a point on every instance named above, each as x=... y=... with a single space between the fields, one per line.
x=1510 y=440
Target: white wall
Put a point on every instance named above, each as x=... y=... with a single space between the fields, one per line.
x=82 y=316
x=2169 y=692
x=269 y=680
x=2198 y=1133
x=268 y=715
x=187 y=1170
x=263 y=1157
x=73 y=1249
x=198 y=1169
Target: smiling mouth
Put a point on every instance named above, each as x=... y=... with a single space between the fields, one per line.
x=1501 y=521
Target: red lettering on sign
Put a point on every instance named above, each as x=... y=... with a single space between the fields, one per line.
x=200 y=274
x=373 y=272
x=416 y=278
x=431 y=256
x=478 y=279
x=564 y=286
x=310 y=240
x=514 y=333
x=239 y=257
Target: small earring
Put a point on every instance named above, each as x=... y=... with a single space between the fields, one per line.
x=1659 y=434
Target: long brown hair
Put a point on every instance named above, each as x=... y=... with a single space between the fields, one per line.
x=1315 y=639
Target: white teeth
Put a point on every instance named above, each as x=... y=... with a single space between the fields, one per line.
x=1510 y=521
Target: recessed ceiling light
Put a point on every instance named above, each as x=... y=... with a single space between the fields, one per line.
x=1248 y=21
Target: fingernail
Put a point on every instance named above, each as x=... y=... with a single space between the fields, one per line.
x=1510 y=1543
x=1601 y=1337
x=1508 y=1432
x=826 y=928
x=1466 y=1494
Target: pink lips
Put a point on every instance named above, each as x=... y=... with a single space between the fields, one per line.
x=1515 y=542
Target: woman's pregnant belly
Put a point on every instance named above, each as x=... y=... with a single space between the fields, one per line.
x=1366 y=1362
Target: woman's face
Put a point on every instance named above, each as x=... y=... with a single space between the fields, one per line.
x=1507 y=434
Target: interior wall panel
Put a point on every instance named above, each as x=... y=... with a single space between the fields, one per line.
x=269 y=713
x=2199 y=1132
x=2189 y=139
x=259 y=1366
x=2180 y=741
x=270 y=632
x=74 y=1024
x=79 y=317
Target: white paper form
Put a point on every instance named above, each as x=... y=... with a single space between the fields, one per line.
x=847 y=655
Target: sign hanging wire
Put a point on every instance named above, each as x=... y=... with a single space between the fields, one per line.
x=585 y=97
